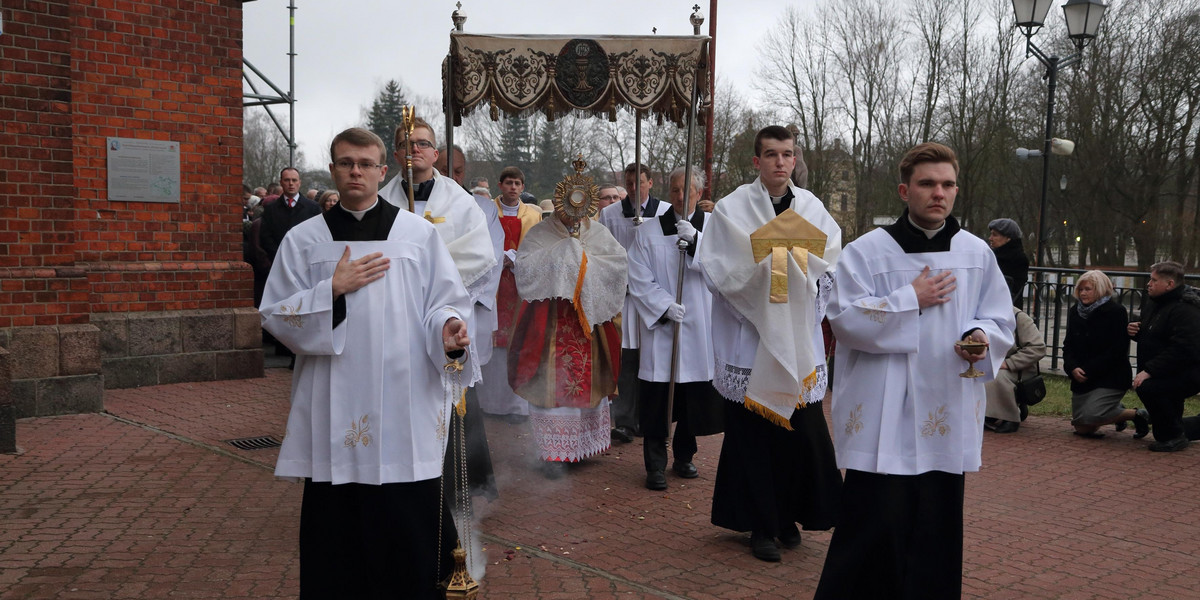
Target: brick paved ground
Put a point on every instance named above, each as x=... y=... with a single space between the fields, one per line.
x=148 y=502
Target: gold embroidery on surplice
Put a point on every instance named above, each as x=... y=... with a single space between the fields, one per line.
x=292 y=316
x=358 y=432
x=854 y=424
x=875 y=312
x=936 y=423
x=432 y=219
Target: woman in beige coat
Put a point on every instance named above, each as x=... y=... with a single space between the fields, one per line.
x=1004 y=415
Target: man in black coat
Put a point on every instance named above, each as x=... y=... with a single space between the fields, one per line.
x=280 y=216
x=1168 y=338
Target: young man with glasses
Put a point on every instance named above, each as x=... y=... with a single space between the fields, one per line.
x=371 y=302
x=464 y=228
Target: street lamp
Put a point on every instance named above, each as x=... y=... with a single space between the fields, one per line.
x=1083 y=21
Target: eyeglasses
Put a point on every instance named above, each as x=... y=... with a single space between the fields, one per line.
x=610 y=197
x=422 y=144
x=348 y=165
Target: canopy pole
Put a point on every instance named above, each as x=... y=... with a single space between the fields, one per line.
x=637 y=171
x=683 y=246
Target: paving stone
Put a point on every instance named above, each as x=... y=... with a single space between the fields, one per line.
x=100 y=508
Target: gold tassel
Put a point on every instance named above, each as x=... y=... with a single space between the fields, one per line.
x=461 y=407
x=767 y=414
x=583 y=320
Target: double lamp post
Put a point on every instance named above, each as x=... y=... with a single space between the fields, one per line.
x=1083 y=21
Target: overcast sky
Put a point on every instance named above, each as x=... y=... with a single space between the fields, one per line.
x=347 y=50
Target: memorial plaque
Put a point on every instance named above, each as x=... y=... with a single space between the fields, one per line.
x=143 y=170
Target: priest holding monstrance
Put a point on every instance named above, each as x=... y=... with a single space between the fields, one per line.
x=370 y=300
x=767 y=255
x=565 y=350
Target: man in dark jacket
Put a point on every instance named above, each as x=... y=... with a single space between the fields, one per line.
x=288 y=211
x=1168 y=339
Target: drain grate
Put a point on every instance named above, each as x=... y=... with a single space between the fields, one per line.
x=254 y=443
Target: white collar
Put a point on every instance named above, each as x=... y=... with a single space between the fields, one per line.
x=929 y=233
x=359 y=214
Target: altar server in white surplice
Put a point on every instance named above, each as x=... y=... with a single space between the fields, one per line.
x=463 y=226
x=369 y=299
x=623 y=220
x=653 y=282
x=906 y=425
x=777 y=464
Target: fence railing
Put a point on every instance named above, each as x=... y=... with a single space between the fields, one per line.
x=1049 y=294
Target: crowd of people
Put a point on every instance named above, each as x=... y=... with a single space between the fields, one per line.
x=601 y=319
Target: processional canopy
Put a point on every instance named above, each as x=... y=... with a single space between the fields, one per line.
x=521 y=74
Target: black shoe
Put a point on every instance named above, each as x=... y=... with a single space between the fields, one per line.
x=554 y=469
x=990 y=423
x=686 y=470
x=622 y=434
x=656 y=481
x=790 y=537
x=1121 y=426
x=763 y=547
x=1141 y=423
x=1174 y=445
x=1024 y=408
x=1007 y=427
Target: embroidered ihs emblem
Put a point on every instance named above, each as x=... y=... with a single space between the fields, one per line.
x=854 y=423
x=936 y=423
x=291 y=315
x=358 y=432
x=875 y=312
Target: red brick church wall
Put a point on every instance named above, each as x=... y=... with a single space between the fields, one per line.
x=161 y=70
x=82 y=279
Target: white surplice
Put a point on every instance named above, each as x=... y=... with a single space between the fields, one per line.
x=623 y=229
x=765 y=351
x=653 y=280
x=899 y=405
x=463 y=226
x=483 y=292
x=370 y=398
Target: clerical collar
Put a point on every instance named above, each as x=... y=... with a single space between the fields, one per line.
x=649 y=207
x=783 y=202
x=423 y=189
x=929 y=233
x=913 y=239
x=359 y=214
x=509 y=211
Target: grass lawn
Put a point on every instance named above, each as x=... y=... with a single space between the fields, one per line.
x=1058 y=399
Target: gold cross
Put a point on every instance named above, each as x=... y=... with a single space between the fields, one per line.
x=432 y=219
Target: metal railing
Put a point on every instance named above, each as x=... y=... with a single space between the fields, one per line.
x=1049 y=295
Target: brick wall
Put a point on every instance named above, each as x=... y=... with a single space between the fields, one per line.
x=36 y=169
x=76 y=72
x=161 y=70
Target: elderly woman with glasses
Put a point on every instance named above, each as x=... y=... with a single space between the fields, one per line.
x=1096 y=357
